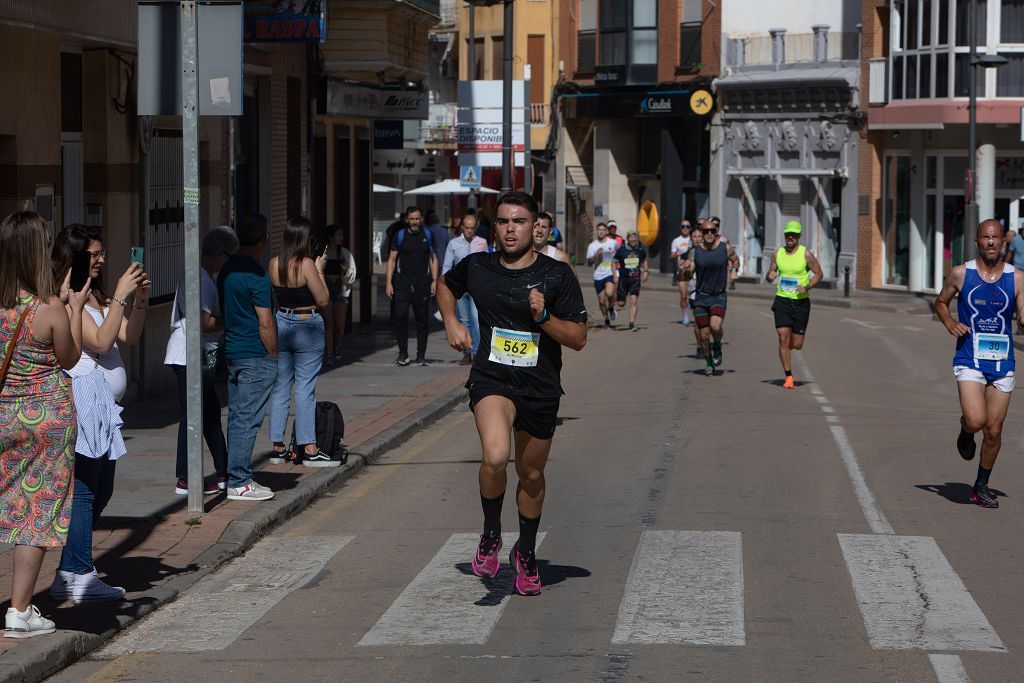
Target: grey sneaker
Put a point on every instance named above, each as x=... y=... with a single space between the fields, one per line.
x=90 y=588
x=402 y=360
x=27 y=624
x=251 y=491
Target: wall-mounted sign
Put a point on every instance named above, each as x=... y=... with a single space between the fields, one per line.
x=488 y=137
x=701 y=102
x=354 y=100
x=285 y=21
x=610 y=75
x=469 y=176
x=388 y=134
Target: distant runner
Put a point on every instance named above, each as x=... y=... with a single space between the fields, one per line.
x=681 y=246
x=794 y=265
x=716 y=265
x=983 y=363
x=630 y=274
x=542 y=239
x=600 y=255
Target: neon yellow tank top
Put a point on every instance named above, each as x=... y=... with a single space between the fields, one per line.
x=793 y=272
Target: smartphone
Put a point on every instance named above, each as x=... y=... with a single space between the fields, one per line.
x=318 y=248
x=136 y=254
x=81 y=264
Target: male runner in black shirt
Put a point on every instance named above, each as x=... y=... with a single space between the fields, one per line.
x=529 y=306
x=410 y=280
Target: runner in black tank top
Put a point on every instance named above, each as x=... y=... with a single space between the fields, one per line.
x=716 y=266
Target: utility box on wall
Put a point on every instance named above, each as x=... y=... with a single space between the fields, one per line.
x=219 y=58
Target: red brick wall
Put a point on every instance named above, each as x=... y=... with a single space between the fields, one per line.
x=874 y=34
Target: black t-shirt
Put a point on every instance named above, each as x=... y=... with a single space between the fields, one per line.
x=502 y=297
x=629 y=260
x=413 y=256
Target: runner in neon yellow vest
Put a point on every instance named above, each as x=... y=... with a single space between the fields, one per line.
x=798 y=272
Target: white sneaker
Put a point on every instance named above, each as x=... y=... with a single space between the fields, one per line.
x=60 y=589
x=91 y=588
x=27 y=624
x=250 y=491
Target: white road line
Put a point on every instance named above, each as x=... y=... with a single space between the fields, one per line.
x=445 y=605
x=948 y=669
x=223 y=605
x=832 y=419
x=911 y=598
x=868 y=505
x=827 y=409
x=684 y=587
x=820 y=397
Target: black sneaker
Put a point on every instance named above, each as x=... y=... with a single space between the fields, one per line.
x=716 y=356
x=632 y=327
x=607 y=323
x=965 y=444
x=982 y=495
x=319 y=459
x=402 y=360
x=420 y=360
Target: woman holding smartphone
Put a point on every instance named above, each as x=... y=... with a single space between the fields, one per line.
x=300 y=289
x=99 y=382
x=340 y=272
x=37 y=416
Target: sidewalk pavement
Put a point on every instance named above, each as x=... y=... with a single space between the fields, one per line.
x=147 y=542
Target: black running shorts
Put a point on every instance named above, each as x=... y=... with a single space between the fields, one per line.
x=792 y=313
x=628 y=286
x=535 y=416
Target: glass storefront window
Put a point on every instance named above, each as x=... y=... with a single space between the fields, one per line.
x=896 y=220
x=1012 y=21
x=1010 y=76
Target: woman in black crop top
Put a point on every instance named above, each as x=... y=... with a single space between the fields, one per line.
x=299 y=288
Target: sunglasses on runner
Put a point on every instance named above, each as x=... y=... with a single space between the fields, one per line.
x=713 y=231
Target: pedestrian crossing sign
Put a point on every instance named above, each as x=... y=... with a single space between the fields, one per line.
x=469 y=176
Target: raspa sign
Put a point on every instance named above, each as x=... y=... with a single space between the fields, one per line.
x=285 y=21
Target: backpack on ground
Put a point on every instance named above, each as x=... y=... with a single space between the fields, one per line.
x=330 y=433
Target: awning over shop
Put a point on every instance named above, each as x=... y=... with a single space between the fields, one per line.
x=840 y=172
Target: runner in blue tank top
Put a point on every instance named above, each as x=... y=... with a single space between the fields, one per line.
x=987 y=291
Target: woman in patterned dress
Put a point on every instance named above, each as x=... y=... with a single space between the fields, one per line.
x=37 y=416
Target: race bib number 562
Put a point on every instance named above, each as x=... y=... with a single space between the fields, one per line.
x=509 y=347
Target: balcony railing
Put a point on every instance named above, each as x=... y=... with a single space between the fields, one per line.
x=878 y=91
x=539 y=113
x=440 y=127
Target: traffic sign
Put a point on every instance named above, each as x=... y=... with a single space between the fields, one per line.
x=469 y=176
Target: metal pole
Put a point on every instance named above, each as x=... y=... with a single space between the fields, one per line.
x=527 y=115
x=506 y=108
x=190 y=180
x=970 y=249
x=472 y=42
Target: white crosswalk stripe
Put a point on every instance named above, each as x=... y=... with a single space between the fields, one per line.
x=446 y=603
x=684 y=587
x=910 y=597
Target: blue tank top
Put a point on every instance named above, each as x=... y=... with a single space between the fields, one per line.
x=986 y=308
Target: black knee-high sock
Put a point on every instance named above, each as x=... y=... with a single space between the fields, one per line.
x=528 y=534
x=492 y=514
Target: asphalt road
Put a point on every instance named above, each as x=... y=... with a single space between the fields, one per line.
x=715 y=528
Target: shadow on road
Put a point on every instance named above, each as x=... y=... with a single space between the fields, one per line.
x=501 y=586
x=954 y=492
x=717 y=372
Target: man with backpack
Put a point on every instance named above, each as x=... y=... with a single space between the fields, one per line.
x=410 y=280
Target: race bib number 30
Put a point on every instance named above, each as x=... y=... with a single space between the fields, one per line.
x=788 y=284
x=991 y=346
x=510 y=347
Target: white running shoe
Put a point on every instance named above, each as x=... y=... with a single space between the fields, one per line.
x=251 y=491
x=27 y=624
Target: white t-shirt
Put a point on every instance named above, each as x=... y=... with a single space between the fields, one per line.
x=108 y=361
x=209 y=302
x=681 y=245
x=607 y=250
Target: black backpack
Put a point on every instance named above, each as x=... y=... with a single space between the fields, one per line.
x=330 y=433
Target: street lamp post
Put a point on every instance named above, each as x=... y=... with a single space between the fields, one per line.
x=988 y=61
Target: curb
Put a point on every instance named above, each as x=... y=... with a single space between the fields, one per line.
x=37 y=659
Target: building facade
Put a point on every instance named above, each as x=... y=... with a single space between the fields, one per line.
x=633 y=114
x=784 y=143
x=914 y=161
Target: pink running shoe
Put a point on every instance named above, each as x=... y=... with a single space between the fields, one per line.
x=527 y=576
x=485 y=559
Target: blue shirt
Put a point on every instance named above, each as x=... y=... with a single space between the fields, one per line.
x=459 y=249
x=243 y=286
x=1016 y=248
x=986 y=308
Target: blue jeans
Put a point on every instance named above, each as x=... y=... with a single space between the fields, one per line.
x=465 y=308
x=249 y=383
x=94 y=484
x=300 y=351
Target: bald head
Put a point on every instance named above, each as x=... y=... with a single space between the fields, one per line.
x=992 y=223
